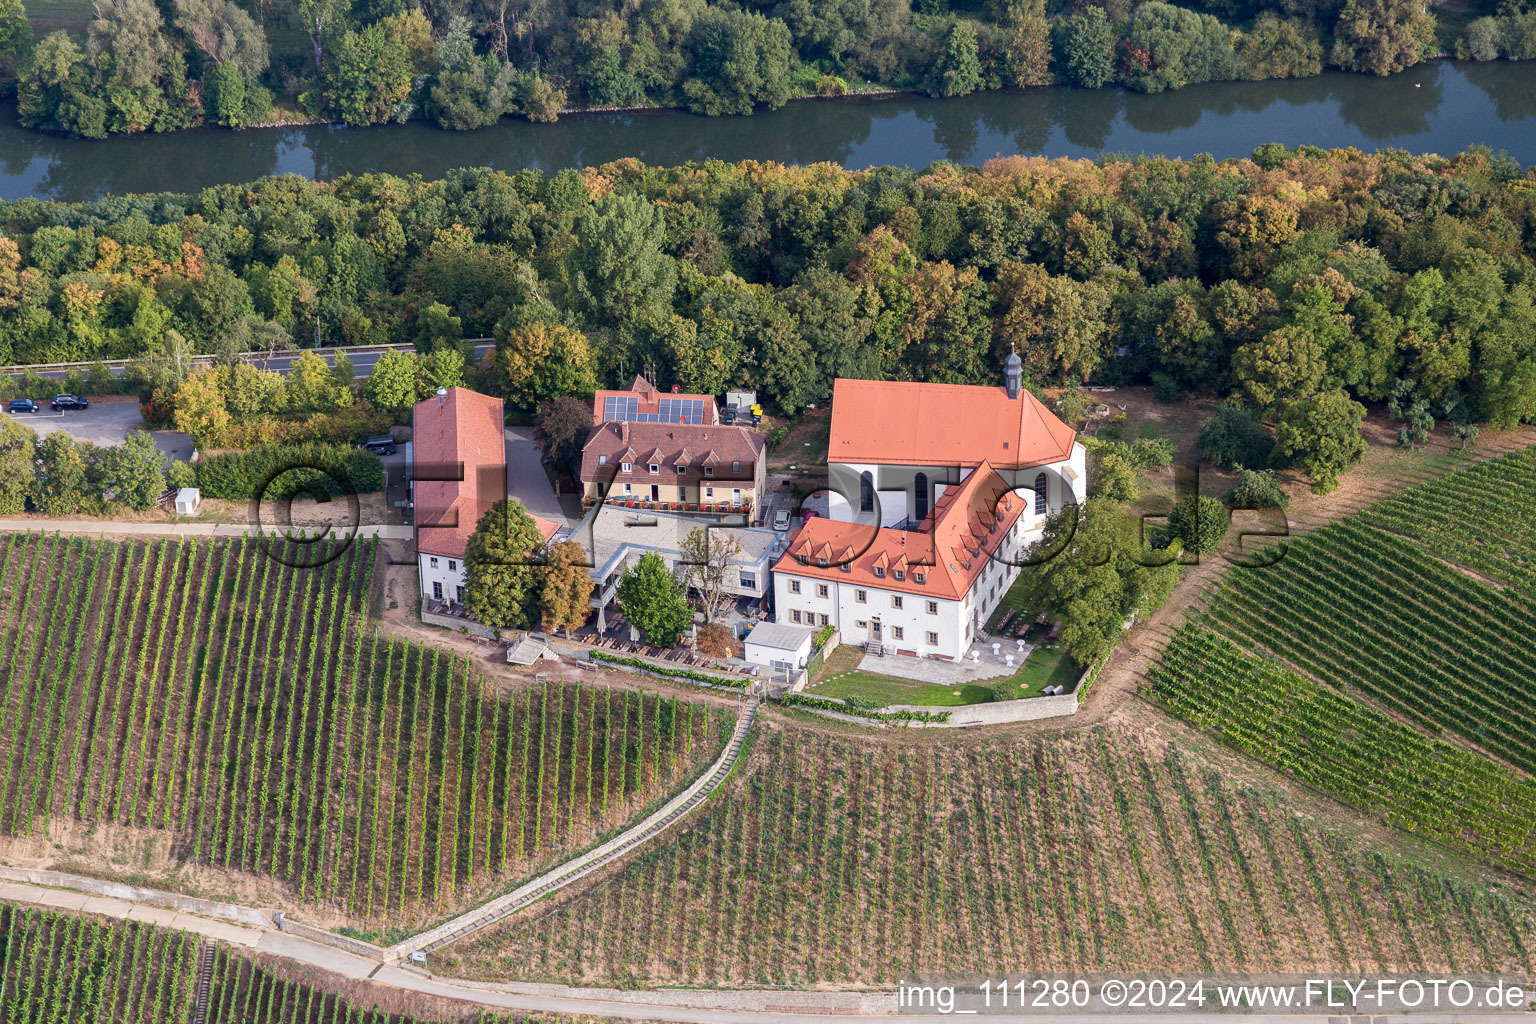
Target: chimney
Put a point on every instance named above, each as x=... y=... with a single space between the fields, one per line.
x=1013 y=372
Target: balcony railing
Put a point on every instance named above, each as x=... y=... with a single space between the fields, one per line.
x=708 y=507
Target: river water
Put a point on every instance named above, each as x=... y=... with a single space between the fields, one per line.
x=1441 y=107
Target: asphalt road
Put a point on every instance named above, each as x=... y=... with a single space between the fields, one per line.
x=526 y=479
x=362 y=362
x=103 y=423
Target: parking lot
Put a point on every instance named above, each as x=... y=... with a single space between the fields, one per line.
x=104 y=423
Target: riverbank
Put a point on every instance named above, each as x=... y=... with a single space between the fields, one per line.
x=1444 y=107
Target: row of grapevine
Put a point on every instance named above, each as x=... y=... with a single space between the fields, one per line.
x=1341 y=746
x=60 y=969
x=1482 y=517
x=250 y=710
x=836 y=861
x=1358 y=608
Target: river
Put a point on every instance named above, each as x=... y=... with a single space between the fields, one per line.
x=1441 y=107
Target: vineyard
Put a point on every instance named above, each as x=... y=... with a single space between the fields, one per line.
x=65 y=969
x=1343 y=747
x=1483 y=517
x=246 y=709
x=1364 y=610
x=853 y=861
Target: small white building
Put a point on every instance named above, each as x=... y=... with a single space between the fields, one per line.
x=783 y=649
x=188 y=501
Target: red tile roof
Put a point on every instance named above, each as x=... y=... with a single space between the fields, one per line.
x=669 y=445
x=919 y=424
x=949 y=549
x=461 y=428
x=546 y=528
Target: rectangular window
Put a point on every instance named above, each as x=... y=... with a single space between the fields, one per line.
x=458 y=594
x=899 y=574
x=749 y=580
x=824 y=620
x=794 y=586
x=919 y=577
x=735 y=465
x=821 y=590
x=736 y=495
x=681 y=470
x=709 y=492
x=861 y=596
x=709 y=470
x=933 y=639
x=860 y=623
x=629 y=488
x=933 y=607
x=879 y=572
x=653 y=468
x=432 y=563
x=626 y=466
x=453 y=566
x=898 y=633
x=895 y=600
x=602 y=460
x=437 y=590
x=794 y=615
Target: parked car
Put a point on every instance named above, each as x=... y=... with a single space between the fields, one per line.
x=781 y=519
x=23 y=405
x=383 y=444
x=61 y=402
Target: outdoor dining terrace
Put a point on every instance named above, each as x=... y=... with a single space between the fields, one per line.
x=720 y=508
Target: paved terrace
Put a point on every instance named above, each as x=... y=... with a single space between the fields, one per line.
x=978 y=665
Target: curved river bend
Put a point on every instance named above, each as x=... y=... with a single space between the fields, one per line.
x=1441 y=107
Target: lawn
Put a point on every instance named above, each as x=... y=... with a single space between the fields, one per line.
x=1041 y=669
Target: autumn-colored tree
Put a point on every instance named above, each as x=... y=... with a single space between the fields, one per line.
x=565 y=597
x=537 y=362
x=716 y=640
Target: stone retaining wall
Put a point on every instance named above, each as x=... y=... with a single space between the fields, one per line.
x=134 y=894
x=457 y=624
x=344 y=943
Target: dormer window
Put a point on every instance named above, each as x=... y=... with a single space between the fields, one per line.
x=899 y=574
x=879 y=572
x=735 y=465
x=681 y=470
x=821 y=563
x=919 y=577
x=654 y=468
x=709 y=470
x=602 y=460
x=845 y=567
x=626 y=466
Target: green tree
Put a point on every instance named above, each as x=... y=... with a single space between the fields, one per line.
x=58 y=488
x=957 y=71
x=618 y=269
x=1321 y=437
x=368 y=78
x=501 y=579
x=1199 y=523
x=394 y=382
x=1382 y=36
x=442 y=368
x=15 y=38
x=313 y=388
x=224 y=95
x=740 y=60
x=537 y=362
x=1280 y=48
x=1085 y=48
x=1232 y=437
x=1170 y=47
x=709 y=563
x=224 y=33
x=562 y=427
x=1257 y=489
x=18 y=447
x=135 y=470
x=655 y=600
x=1115 y=479
x=1287 y=363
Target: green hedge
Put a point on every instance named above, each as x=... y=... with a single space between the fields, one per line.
x=284 y=470
x=674 y=673
x=823 y=704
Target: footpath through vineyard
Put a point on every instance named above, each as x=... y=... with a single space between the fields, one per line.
x=247 y=711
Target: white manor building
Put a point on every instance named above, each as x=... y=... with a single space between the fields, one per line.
x=944 y=486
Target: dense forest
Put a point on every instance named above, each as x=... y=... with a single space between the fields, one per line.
x=160 y=65
x=1275 y=280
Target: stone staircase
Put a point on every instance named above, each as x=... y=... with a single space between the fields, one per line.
x=204 y=980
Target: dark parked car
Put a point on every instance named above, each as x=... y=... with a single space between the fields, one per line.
x=383 y=444
x=23 y=405
x=70 y=402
